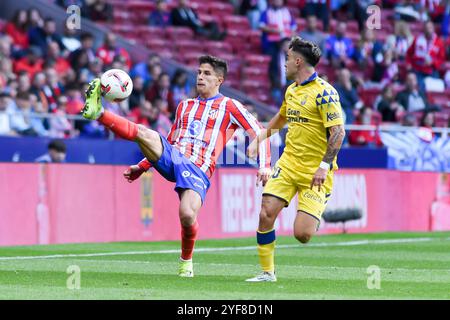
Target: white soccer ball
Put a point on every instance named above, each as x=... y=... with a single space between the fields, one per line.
x=116 y=85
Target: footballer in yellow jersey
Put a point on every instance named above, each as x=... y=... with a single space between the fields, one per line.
x=313 y=114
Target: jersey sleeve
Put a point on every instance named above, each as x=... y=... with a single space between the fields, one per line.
x=244 y=119
x=329 y=107
x=172 y=136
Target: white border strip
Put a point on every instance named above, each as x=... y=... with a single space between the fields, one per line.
x=323 y=244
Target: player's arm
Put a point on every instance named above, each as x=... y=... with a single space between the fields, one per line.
x=245 y=120
x=332 y=119
x=274 y=125
x=337 y=135
x=135 y=171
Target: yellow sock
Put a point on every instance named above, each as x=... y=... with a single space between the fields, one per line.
x=266 y=249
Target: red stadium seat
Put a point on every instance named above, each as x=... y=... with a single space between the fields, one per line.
x=176 y=33
x=441 y=119
x=188 y=45
x=442 y=99
x=220 y=8
x=233 y=22
x=216 y=47
x=147 y=32
x=257 y=60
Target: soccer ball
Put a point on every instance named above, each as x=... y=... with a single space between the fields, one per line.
x=116 y=85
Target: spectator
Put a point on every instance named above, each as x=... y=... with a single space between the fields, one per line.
x=181 y=88
x=38 y=122
x=110 y=50
x=311 y=33
x=151 y=117
x=54 y=56
x=279 y=78
x=34 y=18
x=348 y=96
x=319 y=8
x=81 y=57
x=391 y=110
x=70 y=39
x=143 y=69
x=23 y=82
x=412 y=98
x=160 y=17
x=339 y=48
x=409 y=120
x=163 y=107
x=389 y=69
x=31 y=63
x=428 y=120
x=5 y=122
x=137 y=97
x=253 y=9
x=426 y=54
x=359 y=11
x=369 y=54
x=364 y=137
x=185 y=16
x=100 y=11
x=40 y=37
x=400 y=41
x=20 y=117
x=60 y=126
x=161 y=90
x=17 y=29
x=155 y=72
x=276 y=23
x=39 y=88
x=57 y=151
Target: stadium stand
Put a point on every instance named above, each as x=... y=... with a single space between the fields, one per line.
x=241 y=48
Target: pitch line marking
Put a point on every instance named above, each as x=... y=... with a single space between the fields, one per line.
x=323 y=244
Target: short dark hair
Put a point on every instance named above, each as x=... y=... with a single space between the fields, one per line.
x=219 y=65
x=309 y=50
x=23 y=95
x=57 y=145
x=86 y=36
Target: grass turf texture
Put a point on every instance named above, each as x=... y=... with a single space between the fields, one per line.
x=331 y=267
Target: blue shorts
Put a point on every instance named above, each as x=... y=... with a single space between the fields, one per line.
x=175 y=167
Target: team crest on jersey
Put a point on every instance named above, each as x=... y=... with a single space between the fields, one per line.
x=213 y=114
x=194 y=128
x=303 y=99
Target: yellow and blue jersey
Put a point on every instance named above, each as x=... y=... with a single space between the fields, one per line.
x=309 y=108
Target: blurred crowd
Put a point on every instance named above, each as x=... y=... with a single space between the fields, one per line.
x=43 y=76
x=43 y=71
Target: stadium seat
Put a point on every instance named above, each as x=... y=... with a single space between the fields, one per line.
x=177 y=33
x=217 y=47
x=441 y=119
x=147 y=32
x=220 y=8
x=257 y=60
x=233 y=22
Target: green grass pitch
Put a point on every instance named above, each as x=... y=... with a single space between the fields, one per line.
x=412 y=266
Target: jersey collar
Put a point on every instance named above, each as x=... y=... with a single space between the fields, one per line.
x=212 y=98
x=310 y=79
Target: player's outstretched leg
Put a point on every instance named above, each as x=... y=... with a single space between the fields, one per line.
x=148 y=140
x=190 y=205
x=265 y=236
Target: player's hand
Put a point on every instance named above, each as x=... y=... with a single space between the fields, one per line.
x=263 y=175
x=319 y=178
x=252 y=150
x=133 y=172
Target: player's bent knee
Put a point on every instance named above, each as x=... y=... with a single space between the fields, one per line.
x=187 y=217
x=303 y=237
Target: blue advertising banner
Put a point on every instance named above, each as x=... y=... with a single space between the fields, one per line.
x=417 y=150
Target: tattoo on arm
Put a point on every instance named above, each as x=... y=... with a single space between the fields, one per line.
x=337 y=134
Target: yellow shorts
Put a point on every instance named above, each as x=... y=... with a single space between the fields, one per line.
x=284 y=184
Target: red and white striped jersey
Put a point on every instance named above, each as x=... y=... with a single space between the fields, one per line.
x=202 y=128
